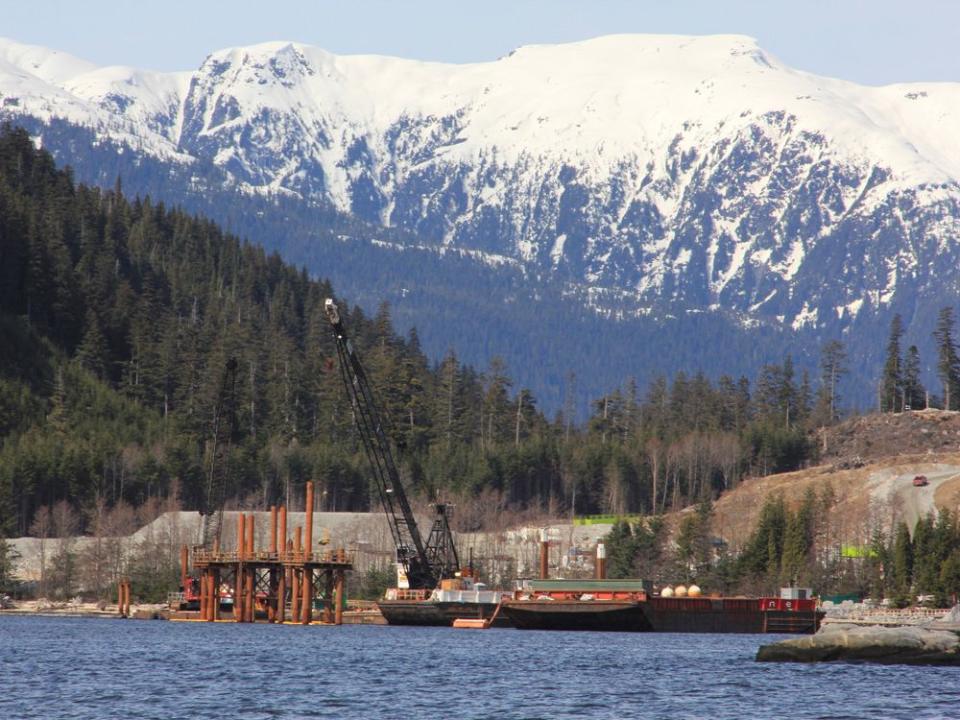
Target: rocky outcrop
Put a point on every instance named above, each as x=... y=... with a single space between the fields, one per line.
x=854 y=643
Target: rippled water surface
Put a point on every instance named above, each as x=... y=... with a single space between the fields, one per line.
x=75 y=668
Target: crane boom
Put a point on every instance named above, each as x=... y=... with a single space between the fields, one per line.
x=424 y=564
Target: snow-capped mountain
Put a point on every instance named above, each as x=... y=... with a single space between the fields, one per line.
x=640 y=174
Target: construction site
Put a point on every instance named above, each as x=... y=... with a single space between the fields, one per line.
x=279 y=566
x=295 y=566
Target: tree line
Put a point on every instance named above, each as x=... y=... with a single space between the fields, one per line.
x=796 y=547
x=117 y=319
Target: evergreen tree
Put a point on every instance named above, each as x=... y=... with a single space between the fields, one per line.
x=833 y=367
x=798 y=540
x=694 y=546
x=8 y=559
x=901 y=572
x=891 y=384
x=621 y=550
x=763 y=552
x=948 y=364
x=950 y=577
x=914 y=394
x=497 y=411
x=93 y=353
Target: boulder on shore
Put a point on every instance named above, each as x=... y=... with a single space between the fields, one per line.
x=858 y=643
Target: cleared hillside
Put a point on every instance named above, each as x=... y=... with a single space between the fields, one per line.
x=869 y=465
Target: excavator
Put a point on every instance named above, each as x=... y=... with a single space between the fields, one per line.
x=423 y=564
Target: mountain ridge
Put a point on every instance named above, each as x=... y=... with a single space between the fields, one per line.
x=636 y=176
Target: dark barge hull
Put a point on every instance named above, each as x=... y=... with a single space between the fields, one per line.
x=613 y=615
x=433 y=613
x=680 y=615
x=727 y=615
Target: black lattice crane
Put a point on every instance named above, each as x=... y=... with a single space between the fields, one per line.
x=427 y=563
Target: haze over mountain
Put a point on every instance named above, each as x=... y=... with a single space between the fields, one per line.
x=619 y=206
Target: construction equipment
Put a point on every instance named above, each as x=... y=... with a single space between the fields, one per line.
x=424 y=564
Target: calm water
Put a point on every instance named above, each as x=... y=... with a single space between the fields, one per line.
x=74 y=668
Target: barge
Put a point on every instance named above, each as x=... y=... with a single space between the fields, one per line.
x=631 y=606
x=455 y=598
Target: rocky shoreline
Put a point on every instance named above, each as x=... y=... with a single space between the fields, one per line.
x=932 y=644
x=46 y=608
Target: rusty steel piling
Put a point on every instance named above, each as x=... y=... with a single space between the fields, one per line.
x=296 y=576
x=601 y=564
x=184 y=567
x=544 y=556
x=123 y=597
x=338 y=597
x=306 y=604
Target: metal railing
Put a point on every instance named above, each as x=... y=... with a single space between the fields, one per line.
x=338 y=556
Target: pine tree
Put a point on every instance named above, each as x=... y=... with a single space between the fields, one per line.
x=901 y=572
x=8 y=558
x=798 y=540
x=621 y=550
x=764 y=549
x=914 y=394
x=694 y=543
x=891 y=384
x=497 y=409
x=948 y=364
x=93 y=353
x=833 y=367
x=950 y=575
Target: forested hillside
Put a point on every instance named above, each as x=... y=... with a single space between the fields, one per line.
x=117 y=318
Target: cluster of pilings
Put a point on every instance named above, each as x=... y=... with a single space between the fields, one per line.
x=263 y=584
x=123 y=597
x=599 y=566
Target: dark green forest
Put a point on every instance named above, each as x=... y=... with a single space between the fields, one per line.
x=118 y=316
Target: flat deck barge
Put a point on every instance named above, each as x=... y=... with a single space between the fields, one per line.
x=630 y=606
x=440 y=607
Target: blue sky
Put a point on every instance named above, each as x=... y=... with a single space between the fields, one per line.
x=868 y=41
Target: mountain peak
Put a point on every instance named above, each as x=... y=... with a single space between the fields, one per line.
x=48 y=65
x=653 y=169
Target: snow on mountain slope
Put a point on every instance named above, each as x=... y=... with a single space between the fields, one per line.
x=635 y=170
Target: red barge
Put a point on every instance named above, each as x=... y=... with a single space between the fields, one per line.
x=631 y=606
